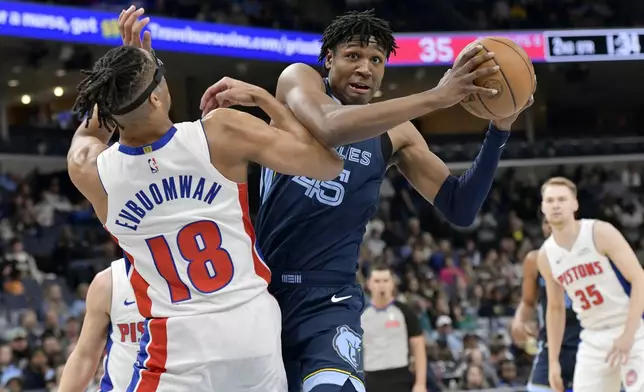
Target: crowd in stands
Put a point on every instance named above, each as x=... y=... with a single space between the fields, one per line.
x=463 y=284
x=409 y=15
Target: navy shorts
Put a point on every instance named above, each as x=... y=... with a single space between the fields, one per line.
x=539 y=376
x=321 y=332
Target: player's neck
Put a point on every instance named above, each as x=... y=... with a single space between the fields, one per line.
x=566 y=235
x=141 y=133
x=382 y=302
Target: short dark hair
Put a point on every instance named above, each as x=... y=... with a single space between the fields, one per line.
x=360 y=25
x=378 y=266
x=113 y=83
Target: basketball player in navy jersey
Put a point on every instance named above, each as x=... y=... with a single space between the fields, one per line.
x=310 y=231
x=533 y=295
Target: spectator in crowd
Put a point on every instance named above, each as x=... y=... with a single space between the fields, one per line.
x=22 y=262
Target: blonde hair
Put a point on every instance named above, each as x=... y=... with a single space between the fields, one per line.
x=560 y=181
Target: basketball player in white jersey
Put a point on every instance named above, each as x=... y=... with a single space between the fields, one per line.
x=174 y=196
x=599 y=271
x=112 y=326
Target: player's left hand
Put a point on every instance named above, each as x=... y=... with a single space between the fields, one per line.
x=419 y=388
x=618 y=355
x=229 y=92
x=130 y=28
x=506 y=123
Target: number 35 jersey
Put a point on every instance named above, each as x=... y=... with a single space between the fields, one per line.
x=183 y=226
x=599 y=292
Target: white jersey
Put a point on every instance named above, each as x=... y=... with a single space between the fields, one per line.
x=599 y=293
x=125 y=332
x=184 y=226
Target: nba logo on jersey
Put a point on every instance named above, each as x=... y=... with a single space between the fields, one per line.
x=153 y=165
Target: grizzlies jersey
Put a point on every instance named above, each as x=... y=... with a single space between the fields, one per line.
x=309 y=225
x=573 y=327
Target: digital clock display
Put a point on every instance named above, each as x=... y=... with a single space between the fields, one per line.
x=594 y=45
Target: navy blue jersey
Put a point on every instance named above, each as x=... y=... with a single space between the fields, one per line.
x=573 y=327
x=310 y=225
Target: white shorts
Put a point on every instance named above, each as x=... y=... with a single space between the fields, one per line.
x=594 y=374
x=234 y=351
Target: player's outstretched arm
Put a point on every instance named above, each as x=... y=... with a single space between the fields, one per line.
x=88 y=143
x=83 y=362
x=302 y=89
x=556 y=310
x=458 y=198
x=611 y=242
x=520 y=328
x=248 y=138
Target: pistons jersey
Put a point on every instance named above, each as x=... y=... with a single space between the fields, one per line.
x=124 y=334
x=599 y=292
x=183 y=226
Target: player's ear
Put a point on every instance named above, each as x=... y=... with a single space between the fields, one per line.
x=154 y=100
x=576 y=205
x=328 y=59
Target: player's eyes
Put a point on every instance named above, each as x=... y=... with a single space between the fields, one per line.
x=352 y=56
x=376 y=60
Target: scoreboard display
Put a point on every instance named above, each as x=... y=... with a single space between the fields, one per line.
x=594 y=45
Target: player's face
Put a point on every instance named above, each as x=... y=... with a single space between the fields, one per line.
x=559 y=205
x=356 y=71
x=381 y=283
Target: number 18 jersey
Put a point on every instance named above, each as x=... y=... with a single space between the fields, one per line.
x=184 y=227
x=600 y=294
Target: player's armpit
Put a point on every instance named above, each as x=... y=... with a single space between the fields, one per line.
x=83 y=362
x=251 y=139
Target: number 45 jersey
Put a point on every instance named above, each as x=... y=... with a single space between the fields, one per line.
x=309 y=225
x=600 y=294
x=184 y=227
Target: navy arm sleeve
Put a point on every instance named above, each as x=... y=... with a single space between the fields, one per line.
x=460 y=198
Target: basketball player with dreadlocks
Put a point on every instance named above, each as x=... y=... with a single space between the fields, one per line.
x=174 y=196
x=310 y=231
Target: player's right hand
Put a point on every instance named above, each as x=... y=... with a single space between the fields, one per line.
x=229 y=92
x=130 y=28
x=521 y=331
x=458 y=82
x=554 y=377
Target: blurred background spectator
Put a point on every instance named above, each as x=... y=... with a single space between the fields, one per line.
x=462 y=285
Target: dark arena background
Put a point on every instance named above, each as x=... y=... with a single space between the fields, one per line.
x=586 y=123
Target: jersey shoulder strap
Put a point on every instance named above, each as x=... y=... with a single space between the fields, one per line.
x=192 y=135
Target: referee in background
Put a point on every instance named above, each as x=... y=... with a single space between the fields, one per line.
x=391 y=331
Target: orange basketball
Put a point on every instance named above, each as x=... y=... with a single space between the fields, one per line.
x=515 y=80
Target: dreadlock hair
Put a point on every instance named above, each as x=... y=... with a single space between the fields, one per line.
x=113 y=82
x=358 y=25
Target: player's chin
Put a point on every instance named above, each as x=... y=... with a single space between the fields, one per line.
x=358 y=96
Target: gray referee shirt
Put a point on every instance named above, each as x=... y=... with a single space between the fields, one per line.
x=386 y=336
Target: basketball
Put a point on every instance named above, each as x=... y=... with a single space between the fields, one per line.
x=515 y=80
